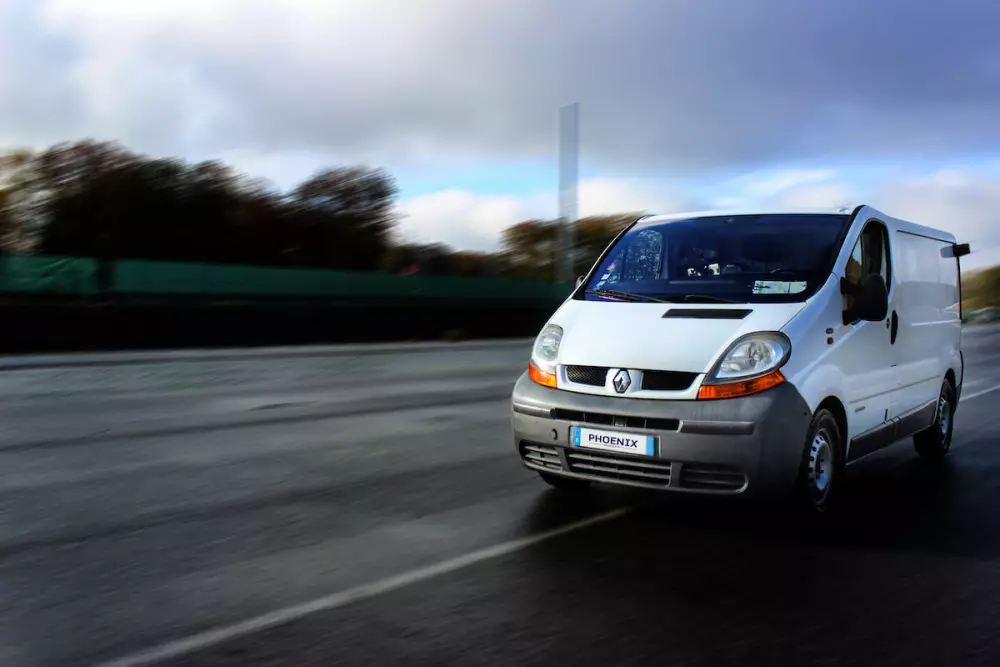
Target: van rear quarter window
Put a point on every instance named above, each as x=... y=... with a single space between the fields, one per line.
x=744 y=258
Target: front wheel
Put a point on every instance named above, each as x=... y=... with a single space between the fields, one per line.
x=821 y=468
x=934 y=442
x=564 y=483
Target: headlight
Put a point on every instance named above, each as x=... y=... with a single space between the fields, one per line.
x=547 y=347
x=752 y=356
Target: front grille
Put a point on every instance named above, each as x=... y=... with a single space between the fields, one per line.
x=649 y=472
x=589 y=375
x=540 y=456
x=667 y=380
x=712 y=477
x=596 y=376
x=607 y=466
x=620 y=421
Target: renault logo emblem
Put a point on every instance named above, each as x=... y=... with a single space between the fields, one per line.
x=622 y=381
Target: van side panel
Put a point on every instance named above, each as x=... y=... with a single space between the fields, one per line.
x=929 y=334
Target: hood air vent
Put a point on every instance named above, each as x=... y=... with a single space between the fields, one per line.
x=708 y=313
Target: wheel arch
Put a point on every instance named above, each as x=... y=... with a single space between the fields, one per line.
x=950 y=377
x=834 y=405
x=956 y=389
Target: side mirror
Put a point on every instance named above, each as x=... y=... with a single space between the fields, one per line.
x=579 y=281
x=871 y=299
x=955 y=251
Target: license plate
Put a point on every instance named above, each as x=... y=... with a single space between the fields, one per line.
x=613 y=441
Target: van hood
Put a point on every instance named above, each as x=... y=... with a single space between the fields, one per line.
x=640 y=336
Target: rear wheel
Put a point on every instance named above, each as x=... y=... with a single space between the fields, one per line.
x=934 y=442
x=821 y=468
x=564 y=483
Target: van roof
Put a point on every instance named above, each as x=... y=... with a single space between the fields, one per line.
x=866 y=211
x=686 y=215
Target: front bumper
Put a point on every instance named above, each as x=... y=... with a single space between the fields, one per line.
x=742 y=446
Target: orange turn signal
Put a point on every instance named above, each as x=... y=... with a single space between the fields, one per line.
x=541 y=377
x=741 y=388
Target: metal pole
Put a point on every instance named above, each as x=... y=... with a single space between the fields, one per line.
x=569 y=138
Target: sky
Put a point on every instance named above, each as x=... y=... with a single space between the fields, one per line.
x=684 y=104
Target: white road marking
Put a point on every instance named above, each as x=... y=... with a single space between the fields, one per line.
x=978 y=394
x=208 y=638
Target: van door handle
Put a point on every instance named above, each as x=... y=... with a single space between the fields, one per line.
x=894 y=329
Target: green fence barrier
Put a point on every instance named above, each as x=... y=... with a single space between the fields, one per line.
x=169 y=278
x=29 y=274
x=79 y=276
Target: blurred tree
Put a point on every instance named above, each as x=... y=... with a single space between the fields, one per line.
x=474 y=264
x=344 y=217
x=8 y=224
x=531 y=248
x=84 y=192
x=437 y=260
x=16 y=228
x=398 y=258
x=101 y=200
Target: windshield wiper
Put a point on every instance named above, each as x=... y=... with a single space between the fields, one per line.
x=700 y=298
x=624 y=296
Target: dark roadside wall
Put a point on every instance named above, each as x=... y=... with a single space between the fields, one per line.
x=76 y=304
x=63 y=327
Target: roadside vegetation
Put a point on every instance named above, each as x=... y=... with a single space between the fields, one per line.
x=981 y=294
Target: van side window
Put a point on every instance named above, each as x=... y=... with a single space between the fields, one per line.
x=875 y=248
x=870 y=255
x=854 y=269
x=886 y=264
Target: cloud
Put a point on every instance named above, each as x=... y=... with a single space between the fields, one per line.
x=774 y=183
x=462 y=219
x=677 y=85
x=472 y=221
x=693 y=90
x=821 y=195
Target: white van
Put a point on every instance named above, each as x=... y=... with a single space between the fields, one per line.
x=739 y=354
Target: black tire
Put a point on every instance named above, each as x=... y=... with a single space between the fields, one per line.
x=822 y=467
x=564 y=483
x=933 y=443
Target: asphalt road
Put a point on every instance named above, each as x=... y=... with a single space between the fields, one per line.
x=346 y=510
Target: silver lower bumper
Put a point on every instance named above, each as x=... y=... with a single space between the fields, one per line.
x=742 y=446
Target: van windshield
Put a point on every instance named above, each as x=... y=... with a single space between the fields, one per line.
x=739 y=258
